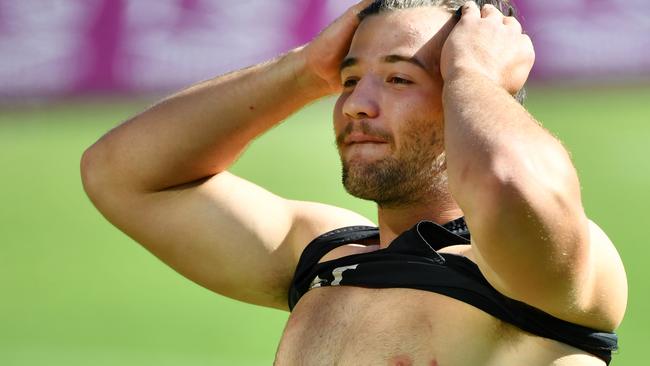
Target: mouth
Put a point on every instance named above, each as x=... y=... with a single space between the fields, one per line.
x=356 y=139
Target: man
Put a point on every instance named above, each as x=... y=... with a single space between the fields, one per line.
x=427 y=127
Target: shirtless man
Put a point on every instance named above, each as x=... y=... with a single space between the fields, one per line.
x=427 y=127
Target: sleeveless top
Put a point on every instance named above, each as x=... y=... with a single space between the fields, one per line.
x=411 y=261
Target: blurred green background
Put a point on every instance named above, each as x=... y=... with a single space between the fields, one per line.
x=76 y=291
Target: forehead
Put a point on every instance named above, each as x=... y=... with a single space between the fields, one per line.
x=410 y=32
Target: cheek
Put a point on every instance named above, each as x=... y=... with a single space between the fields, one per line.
x=337 y=116
x=420 y=123
x=423 y=102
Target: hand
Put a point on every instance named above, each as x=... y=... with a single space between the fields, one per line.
x=488 y=43
x=324 y=54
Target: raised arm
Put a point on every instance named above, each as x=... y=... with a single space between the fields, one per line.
x=161 y=176
x=516 y=184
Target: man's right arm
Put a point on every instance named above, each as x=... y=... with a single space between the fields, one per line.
x=161 y=176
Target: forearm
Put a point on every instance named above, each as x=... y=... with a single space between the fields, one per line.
x=513 y=180
x=200 y=131
x=519 y=192
x=493 y=143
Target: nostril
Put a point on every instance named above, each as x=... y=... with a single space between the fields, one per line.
x=360 y=103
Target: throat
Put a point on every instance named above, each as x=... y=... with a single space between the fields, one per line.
x=395 y=221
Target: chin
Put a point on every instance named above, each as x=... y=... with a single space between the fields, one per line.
x=364 y=178
x=371 y=153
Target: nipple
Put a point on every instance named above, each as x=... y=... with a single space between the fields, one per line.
x=405 y=360
x=401 y=360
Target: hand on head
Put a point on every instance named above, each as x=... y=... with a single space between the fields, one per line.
x=487 y=43
x=483 y=42
x=324 y=54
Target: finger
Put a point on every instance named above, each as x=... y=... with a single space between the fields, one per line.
x=470 y=9
x=489 y=10
x=361 y=5
x=354 y=10
x=512 y=22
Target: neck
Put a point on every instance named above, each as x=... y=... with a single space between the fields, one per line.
x=395 y=220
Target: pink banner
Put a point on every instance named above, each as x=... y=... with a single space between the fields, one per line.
x=84 y=46
x=72 y=47
x=599 y=40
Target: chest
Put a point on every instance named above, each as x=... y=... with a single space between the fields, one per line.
x=353 y=326
x=350 y=325
x=405 y=327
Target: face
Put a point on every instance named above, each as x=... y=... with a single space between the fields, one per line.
x=389 y=120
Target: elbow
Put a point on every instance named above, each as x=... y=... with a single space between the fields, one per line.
x=535 y=183
x=88 y=171
x=541 y=193
x=92 y=168
x=546 y=171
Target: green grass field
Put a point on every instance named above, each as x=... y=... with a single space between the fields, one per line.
x=75 y=291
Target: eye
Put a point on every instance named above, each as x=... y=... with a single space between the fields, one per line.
x=350 y=82
x=398 y=80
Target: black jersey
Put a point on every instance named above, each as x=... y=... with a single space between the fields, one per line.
x=412 y=261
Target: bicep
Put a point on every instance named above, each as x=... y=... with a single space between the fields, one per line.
x=574 y=274
x=532 y=241
x=226 y=234
x=223 y=232
x=608 y=288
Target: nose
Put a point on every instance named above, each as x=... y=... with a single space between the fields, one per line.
x=361 y=103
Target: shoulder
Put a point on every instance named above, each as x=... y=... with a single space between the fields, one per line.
x=312 y=220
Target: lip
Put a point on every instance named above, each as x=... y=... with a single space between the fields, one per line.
x=357 y=138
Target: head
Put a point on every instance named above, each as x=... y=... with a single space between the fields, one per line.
x=389 y=119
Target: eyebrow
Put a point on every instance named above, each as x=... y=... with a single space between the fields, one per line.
x=391 y=59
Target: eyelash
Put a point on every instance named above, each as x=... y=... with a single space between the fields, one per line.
x=346 y=83
x=392 y=80
x=398 y=80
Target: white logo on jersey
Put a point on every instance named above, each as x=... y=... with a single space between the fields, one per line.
x=317 y=282
x=337 y=273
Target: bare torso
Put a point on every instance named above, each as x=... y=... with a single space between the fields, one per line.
x=345 y=325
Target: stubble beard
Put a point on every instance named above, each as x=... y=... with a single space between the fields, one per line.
x=415 y=174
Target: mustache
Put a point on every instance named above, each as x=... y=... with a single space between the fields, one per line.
x=366 y=128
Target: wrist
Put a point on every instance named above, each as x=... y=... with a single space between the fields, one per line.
x=465 y=85
x=309 y=83
x=458 y=73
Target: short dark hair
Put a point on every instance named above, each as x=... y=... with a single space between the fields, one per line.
x=452 y=6
x=381 y=6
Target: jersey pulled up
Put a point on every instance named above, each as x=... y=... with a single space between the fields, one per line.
x=412 y=261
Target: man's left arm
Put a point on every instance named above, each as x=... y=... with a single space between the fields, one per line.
x=516 y=183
